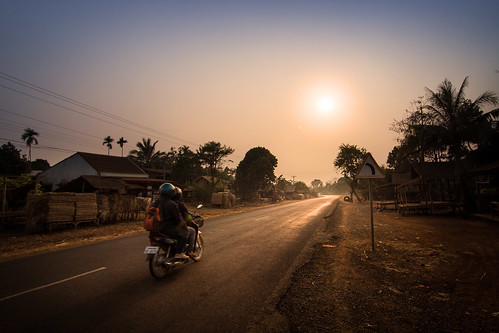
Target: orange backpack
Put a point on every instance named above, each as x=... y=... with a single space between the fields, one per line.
x=153 y=219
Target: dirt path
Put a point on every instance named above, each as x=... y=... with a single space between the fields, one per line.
x=426 y=274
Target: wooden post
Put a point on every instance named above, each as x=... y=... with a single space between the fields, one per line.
x=4 y=195
x=372 y=218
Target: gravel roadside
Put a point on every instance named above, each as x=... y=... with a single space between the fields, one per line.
x=426 y=274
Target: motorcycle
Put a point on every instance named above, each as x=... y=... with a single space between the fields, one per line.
x=162 y=254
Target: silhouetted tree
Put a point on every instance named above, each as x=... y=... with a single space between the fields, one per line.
x=458 y=120
x=212 y=154
x=107 y=141
x=146 y=155
x=121 y=142
x=255 y=172
x=29 y=136
x=11 y=162
x=185 y=164
x=348 y=162
x=40 y=164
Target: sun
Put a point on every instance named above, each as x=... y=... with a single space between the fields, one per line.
x=325 y=105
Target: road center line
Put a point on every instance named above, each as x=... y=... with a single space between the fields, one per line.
x=53 y=284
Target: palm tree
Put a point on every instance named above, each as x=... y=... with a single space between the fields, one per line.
x=459 y=122
x=29 y=136
x=457 y=118
x=107 y=141
x=121 y=142
x=146 y=154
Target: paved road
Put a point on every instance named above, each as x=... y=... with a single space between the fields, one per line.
x=107 y=287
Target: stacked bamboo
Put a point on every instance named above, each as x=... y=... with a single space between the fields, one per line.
x=60 y=207
x=86 y=207
x=52 y=208
x=49 y=208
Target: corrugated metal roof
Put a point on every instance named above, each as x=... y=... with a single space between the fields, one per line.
x=111 y=164
x=99 y=183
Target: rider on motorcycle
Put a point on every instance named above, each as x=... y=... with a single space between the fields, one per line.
x=172 y=223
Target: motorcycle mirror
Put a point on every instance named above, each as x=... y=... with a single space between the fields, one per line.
x=199 y=207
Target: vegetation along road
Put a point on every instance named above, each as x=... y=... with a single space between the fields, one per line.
x=106 y=286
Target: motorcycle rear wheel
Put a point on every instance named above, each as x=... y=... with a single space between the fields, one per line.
x=157 y=265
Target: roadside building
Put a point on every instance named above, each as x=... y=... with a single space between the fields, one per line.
x=88 y=164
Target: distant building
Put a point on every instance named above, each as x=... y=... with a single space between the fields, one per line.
x=87 y=164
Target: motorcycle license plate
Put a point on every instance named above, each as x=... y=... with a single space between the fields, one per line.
x=151 y=250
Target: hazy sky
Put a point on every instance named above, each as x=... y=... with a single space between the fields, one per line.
x=243 y=73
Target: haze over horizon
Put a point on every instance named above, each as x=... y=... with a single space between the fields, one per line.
x=296 y=77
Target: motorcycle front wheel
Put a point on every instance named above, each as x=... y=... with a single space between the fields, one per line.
x=157 y=264
x=198 y=251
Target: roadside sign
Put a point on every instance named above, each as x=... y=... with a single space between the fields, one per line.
x=369 y=168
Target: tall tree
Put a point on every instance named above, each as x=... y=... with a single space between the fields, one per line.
x=29 y=136
x=419 y=141
x=146 y=155
x=108 y=142
x=458 y=120
x=348 y=162
x=11 y=162
x=121 y=142
x=212 y=155
x=255 y=172
x=186 y=164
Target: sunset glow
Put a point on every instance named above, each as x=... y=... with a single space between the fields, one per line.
x=325 y=105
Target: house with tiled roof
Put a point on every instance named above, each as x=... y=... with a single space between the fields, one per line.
x=88 y=164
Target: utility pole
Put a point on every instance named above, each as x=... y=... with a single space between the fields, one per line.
x=293 y=180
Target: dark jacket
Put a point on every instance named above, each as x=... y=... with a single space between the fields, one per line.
x=173 y=225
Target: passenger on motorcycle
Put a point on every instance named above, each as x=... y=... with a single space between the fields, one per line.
x=172 y=223
x=187 y=217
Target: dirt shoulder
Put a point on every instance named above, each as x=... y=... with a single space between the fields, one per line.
x=426 y=274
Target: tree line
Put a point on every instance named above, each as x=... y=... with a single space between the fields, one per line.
x=254 y=172
x=443 y=125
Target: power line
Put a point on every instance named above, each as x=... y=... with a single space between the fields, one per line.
x=39 y=146
x=72 y=110
x=48 y=123
x=83 y=105
x=49 y=134
x=32 y=86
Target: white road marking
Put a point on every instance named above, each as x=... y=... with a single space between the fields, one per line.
x=52 y=284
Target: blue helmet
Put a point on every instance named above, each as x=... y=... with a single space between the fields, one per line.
x=167 y=190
